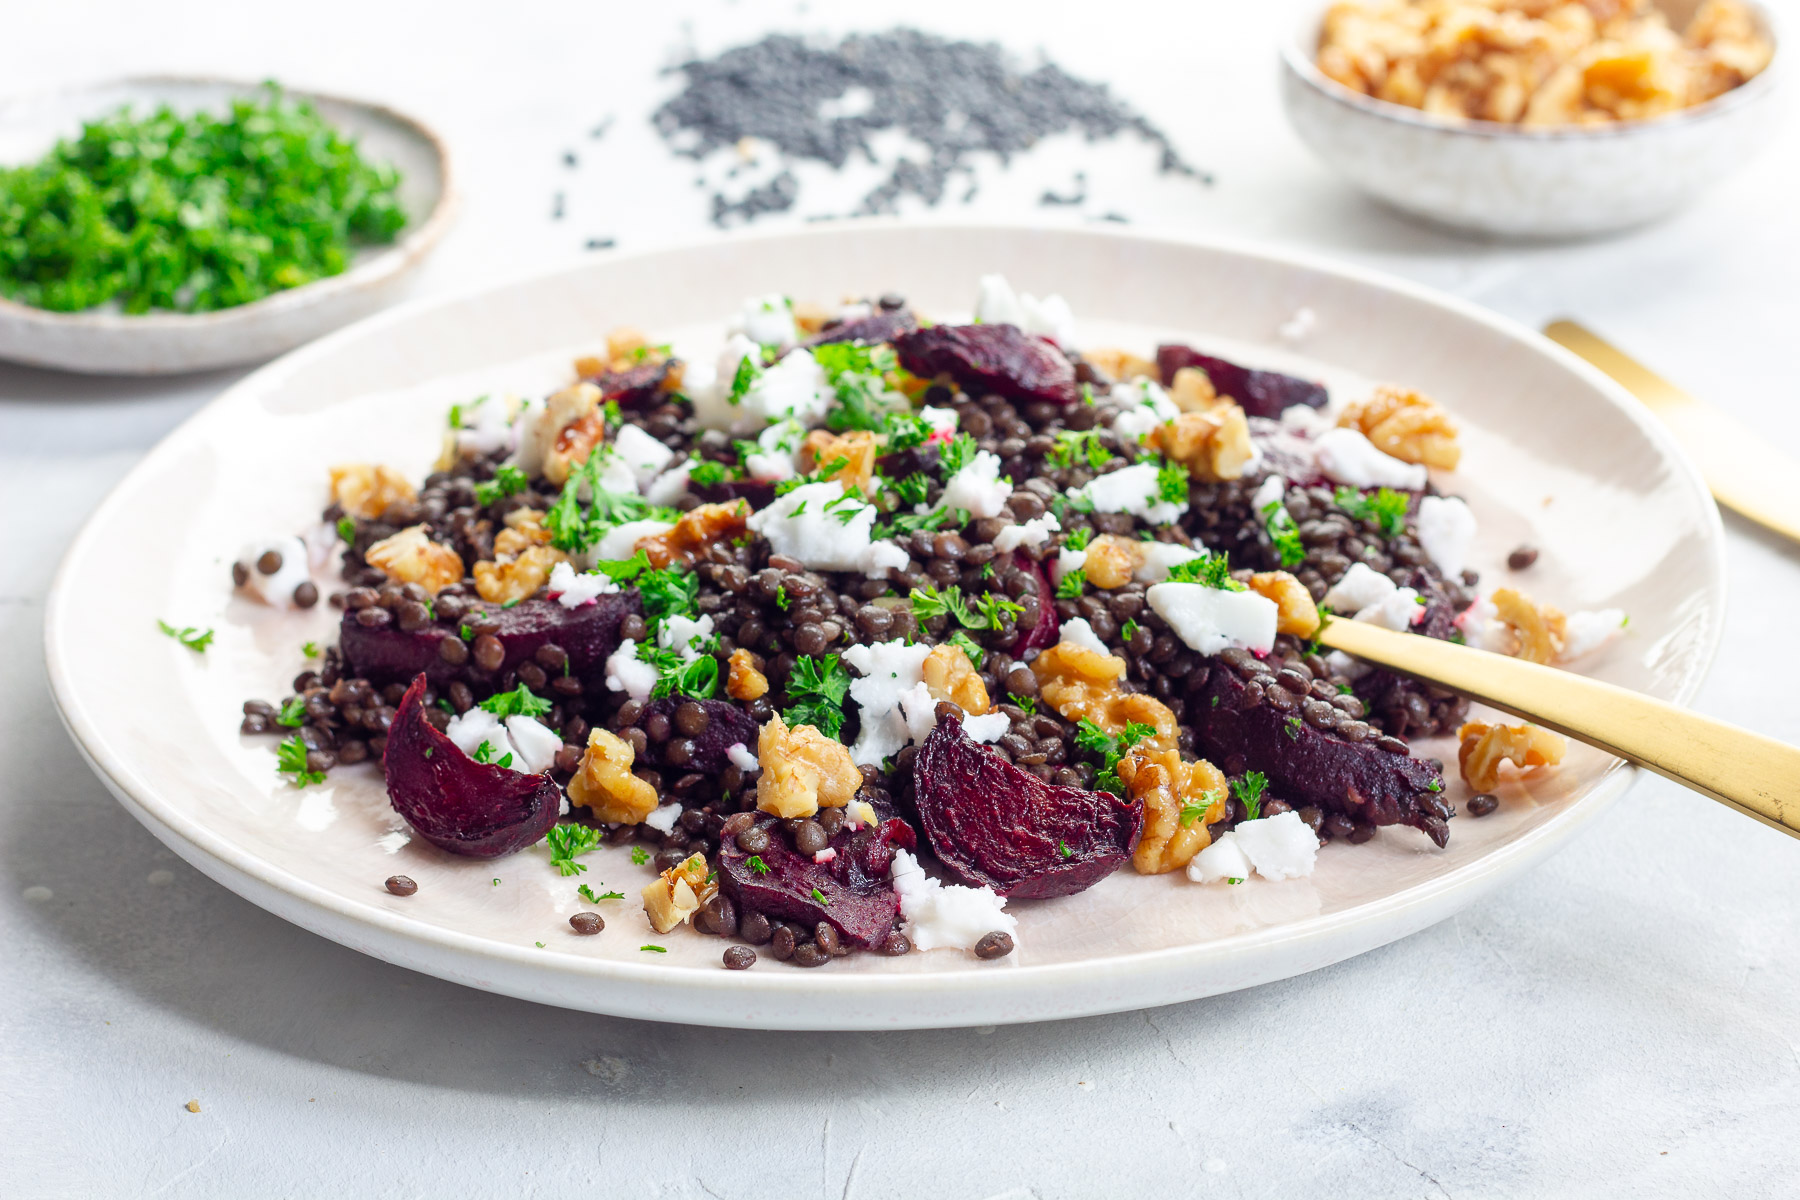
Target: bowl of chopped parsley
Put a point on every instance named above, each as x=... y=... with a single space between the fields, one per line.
x=160 y=225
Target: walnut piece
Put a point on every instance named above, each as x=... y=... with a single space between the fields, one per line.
x=857 y=448
x=604 y=783
x=810 y=318
x=1406 y=425
x=802 y=771
x=745 y=680
x=1483 y=748
x=1168 y=787
x=1192 y=390
x=366 y=490
x=411 y=557
x=678 y=893
x=518 y=578
x=580 y=426
x=1539 y=630
x=1214 y=445
x=949 y=675
x=1081 y=683
x=1112 y=560
x=1295 y=611
x=524 y=529
x=694 y=532
x=1121 y=365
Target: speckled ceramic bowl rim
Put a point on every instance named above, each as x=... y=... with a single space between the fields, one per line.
x=384 y=264
x=393 y=936
x=1297 y=58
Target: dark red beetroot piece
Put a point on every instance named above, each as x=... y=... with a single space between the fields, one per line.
x=588 y=634
x=636 y=387
x=1003 y=359
x=1048 y=629
x=457 y=804
x=994 y=825
x=1305 y=765
x=726 y=724
x=859 y=902
x=877 y=327
x=1258 y=393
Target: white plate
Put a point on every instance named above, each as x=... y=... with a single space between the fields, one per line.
x=160 y=343
x=1555 y=455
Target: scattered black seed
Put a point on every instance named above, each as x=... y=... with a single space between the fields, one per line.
x=587 y=923
x=1521 y=558
x=400 y=885
x=994 y=945
x=1483 y=804
x=739 y=958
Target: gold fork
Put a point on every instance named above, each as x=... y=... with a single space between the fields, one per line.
x=1757 y=775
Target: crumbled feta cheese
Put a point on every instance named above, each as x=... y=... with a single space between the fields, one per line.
x=1223 y=859
x=1368 y=595
x=742 y=757
x=1270 y=491
x=918 y=709
x=536 y=744
x=1067 y=560
x=793 y=387
x=1032 y=533
x=643 y=454
x=277 y=589
x=855 y=311
x=686 y=635
x=943 y=421
x=532 y=746
x=765 y=320
x=826 y=855
x=778 y=447
x=828 y=529
x=977 y=487
x=625 y=672
x=1298 y=327
x=858 y=813
x=662 y=818
x=1078 y=631
x=572 y=590
x=1157 y=558
x=669 y=488
x=1446 y=528
x=997 y=304
x=1584 y=632
x=621 y=541
x=889 y=671
x=1211 y=619
x=1482 y=627
x=1280 y=847
x=1346 y=456
x=486 y=426
x=1304 y=421
x=468 y=730
x=616 y=475
x=989 y=728
x=1143 y=405
x=1134 y=489
x=940 y=917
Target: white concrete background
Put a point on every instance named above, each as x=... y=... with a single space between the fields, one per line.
x=1625 y=1021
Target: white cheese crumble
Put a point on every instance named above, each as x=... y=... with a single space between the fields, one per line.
x=663 y=817
x=1272 y=490
x=937 y=916
x=1223 y=859
x=616 y=475
x=276 y=590
x=1585 y=632
x=1368 y=595
x=826 y=855
x=776 y=451
x=625 y=672
x=1156 y=559
x=828 y=529
x=943 y=421
x=1446 y=528
x=1346 y=456
x=620 y=542
x=1078 y=631
x=742 y=758
x=1209 y=620
x=643 y=454
x=572 y=590
x=1067 y=560
x=685 y=634
x=539 y=422
x=1143 y=405
x=989 y=728
x=1134 y=490
x=889 y=671
x=977 y=487
x=765 y=320
x=1280 y=847
x=668 y=489
x=1482 y=627
x=1032 y=534
x=486 y=425
x=533 y=746
x=997 y=304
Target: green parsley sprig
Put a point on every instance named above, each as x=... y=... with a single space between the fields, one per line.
x=569 y=841
x=1209 y=570
x=817 y=688
x=1109 y=749
x=520 y=702
x=1248 y=788
x=507 y=481
x=194 y=639
x=1384 y=507
x=290 y=759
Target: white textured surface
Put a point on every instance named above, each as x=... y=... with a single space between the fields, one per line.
x=1625 y=1021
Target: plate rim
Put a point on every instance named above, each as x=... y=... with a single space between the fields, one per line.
x=989 y=997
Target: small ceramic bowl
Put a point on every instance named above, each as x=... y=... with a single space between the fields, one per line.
x=1502 y=180
x=101 y=341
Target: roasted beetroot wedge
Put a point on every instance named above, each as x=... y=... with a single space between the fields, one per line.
x=1048 y=629
x=457 y=804
x=587 y=634
x=851 y=891
x=637 y=387
x=705 y=751
x=1305 y=765
x=993 y=825
x=1259 y=393
x=1002 y=359
x=877 y=327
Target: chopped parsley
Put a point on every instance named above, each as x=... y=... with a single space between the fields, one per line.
x=1062 y=848
x=817 y=688
x=781 y=597
x=698 y=680
x=899 y=523
x=668 y=592
x=1284 y=535
x=966 y=644
x=1193 y=812
x=293 y=713
x=1172 y=482
x=1074 y=447
x=1292 y=728
x=484 y=753
x=1072 y=585
x=1128 y=631
x=755 y=863
x=568 y=841
x=574 y=528
x=654 y=949
x=1235 y=879
x=507 y=481
x=639 y=855
x=1096 y=741
x=929 y=602
x=708 y=473
x=913 y=489
x=520 y=702
x=820 y=897
x=1024 y=702
x=1385 y=508
x=310 y=649
x=956 y=454
x=1249 y=790
x=1209 y=570
x=996 y=609
x=346 y=529
x=1079 y=539
x=1436 y=785
x=196 y=640
x=290 y=759
x=745 y=375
